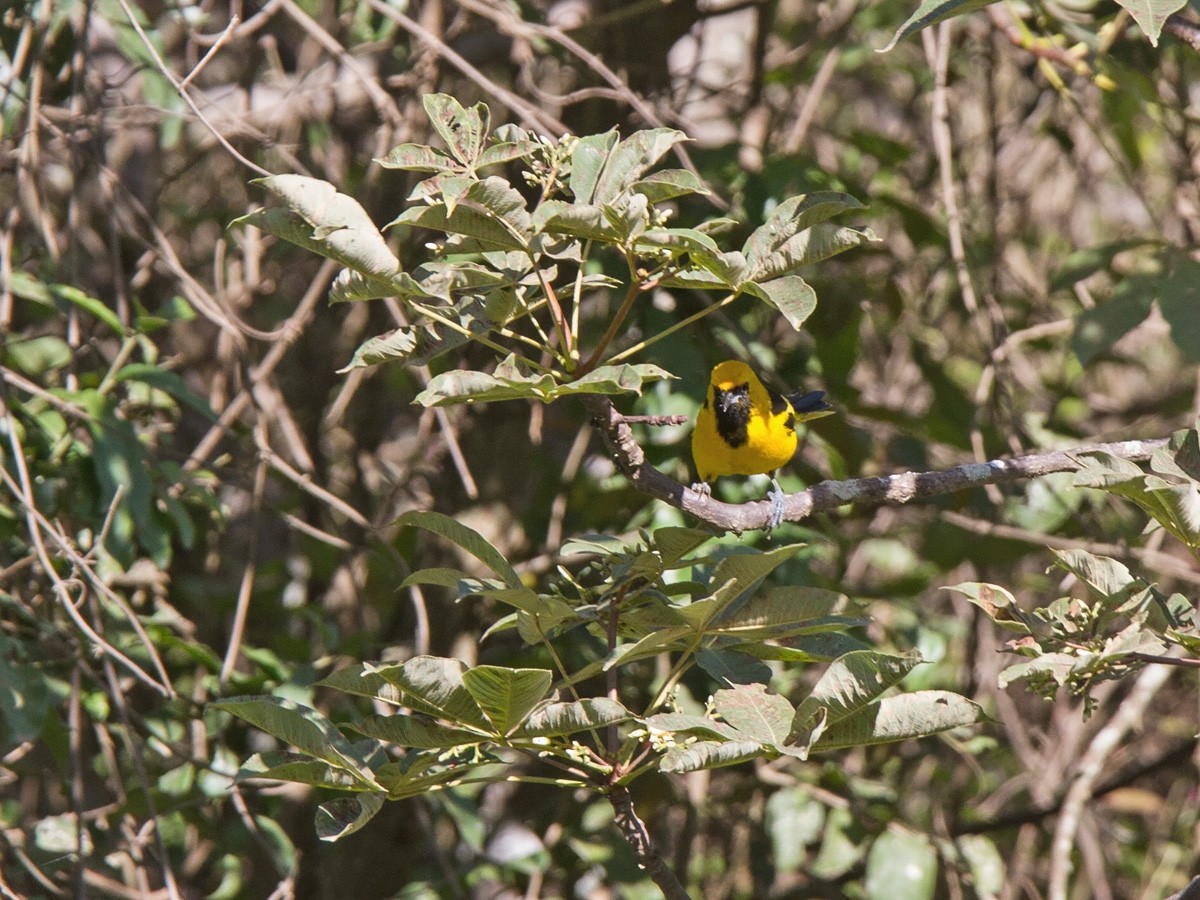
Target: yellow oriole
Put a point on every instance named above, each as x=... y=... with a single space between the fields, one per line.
x=746 y=428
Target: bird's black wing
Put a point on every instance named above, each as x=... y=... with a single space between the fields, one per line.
x=812 y=402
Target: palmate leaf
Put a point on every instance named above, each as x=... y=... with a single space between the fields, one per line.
x=631 y=159
x=434 y=685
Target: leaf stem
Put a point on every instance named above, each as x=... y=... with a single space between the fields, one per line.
x=654 y=339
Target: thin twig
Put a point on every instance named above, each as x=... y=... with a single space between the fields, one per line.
x=1127 y=716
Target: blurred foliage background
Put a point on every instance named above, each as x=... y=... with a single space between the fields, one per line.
x=195 y=503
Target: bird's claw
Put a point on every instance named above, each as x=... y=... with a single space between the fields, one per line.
x=777 y=496
x=703 y=488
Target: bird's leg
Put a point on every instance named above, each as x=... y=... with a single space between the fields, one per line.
x=777 y=496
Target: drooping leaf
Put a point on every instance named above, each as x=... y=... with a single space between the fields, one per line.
x=509 y=382
x=790 y=294
x=316 y=216
x=345 y=815
x=1151 y=15
x=899 y=718
x=710 y=755
x=465 y=537
x=930 y=13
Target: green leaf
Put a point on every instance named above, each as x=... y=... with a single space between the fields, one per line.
x=1103 y=574
x=435 y=686
x=731 y=667
x=791 y=295
x=316 y=216
x=337 y=818
x=899 y=718
x=1098 y=328
x=852 y=682
x=684 y=724
x=785 y=611
x=902 y=865
x=1082 y=264
x=469 y=221
x=631 y=159
x=88 y=304
x=300 y=770
x=168 y=381
x=576 y=220
x=509 y=382
x=985 y=864
x=466 y=538
x=561 y=719
x=709 y=755
x=1056 y=665
x=756 y=712
x=587 y=162
x=505 y=695
x=792 y=234
x=300 y=727
x=930 y=13
x=410 y=731
x=364 y=680
x=1151 y=15
x=794 y=820
x=999 y=604
x=1179 y=302
x=416 y=158
x=669 y=184
x=463 y=130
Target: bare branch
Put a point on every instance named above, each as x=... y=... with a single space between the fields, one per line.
x=902 y=487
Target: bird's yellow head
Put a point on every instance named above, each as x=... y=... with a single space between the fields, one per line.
x=730 y=374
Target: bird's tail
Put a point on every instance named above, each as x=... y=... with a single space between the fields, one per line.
x=810 y=406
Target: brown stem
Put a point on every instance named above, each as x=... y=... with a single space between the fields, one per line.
x=611 y=332
x=634 y=831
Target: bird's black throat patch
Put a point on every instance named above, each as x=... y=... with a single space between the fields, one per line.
x=731 y=409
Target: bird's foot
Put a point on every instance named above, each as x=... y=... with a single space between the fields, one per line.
x=703 y=488
x=777 y=496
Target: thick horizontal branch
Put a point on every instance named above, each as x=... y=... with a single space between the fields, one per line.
x=903 y=487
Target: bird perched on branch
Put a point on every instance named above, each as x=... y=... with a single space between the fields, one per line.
x=746 y=428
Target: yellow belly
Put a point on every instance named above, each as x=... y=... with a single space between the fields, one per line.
x=769 y=444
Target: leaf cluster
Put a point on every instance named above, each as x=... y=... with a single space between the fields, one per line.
x=512 y=267
x=663 y=596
